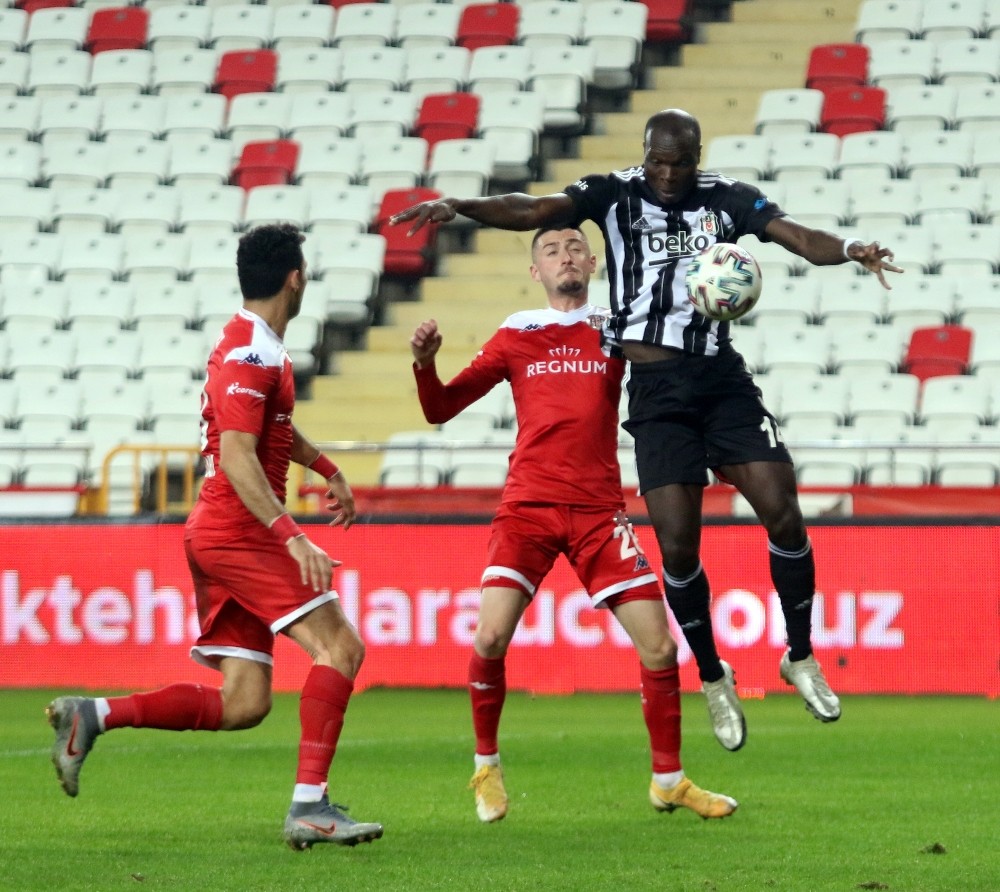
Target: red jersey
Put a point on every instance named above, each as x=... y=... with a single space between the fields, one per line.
x=566 y=390
x=249 y=388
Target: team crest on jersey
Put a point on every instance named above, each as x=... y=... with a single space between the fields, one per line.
x=564 y=351
x=709 y=223
x=596 y=321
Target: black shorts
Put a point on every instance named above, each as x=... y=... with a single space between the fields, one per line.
x=693 y=413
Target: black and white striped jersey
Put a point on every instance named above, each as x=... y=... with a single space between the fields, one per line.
x=649 y=247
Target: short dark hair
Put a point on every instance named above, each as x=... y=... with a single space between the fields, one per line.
x=265 y=256
x=556 y=227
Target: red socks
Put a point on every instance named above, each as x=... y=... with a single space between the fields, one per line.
x=179 y=707
x=661 y=708
x=487 y=690
x=322 y=705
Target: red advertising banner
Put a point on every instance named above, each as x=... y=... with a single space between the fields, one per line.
x=900 y=609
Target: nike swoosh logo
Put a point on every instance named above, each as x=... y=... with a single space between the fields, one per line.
x=71 y=750
x=326 y=831
x=481 y=686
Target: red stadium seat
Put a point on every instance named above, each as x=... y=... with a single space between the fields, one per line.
x=488 y=24
x=938 y=350
x=30 y=6
x=834 y=65
x=266 y=163
x=852 y=110
x=246 y=71
x=447 y=116
x=124 y=28
x=407 y=256
x=668 y=21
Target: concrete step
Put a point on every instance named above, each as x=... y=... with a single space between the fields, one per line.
x=714 y=112
x=739 y=55
x=700 y=101
x=815 y=32
x=677 y=80
x=773 y=12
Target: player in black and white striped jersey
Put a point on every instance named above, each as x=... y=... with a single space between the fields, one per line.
x=693 y=405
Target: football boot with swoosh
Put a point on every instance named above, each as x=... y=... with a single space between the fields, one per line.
x=74 y=720
x=312 y=822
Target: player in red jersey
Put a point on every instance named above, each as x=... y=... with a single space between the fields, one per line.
x=563 y=495
x=255 y=572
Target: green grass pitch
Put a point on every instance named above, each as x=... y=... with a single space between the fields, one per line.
x=901 y=794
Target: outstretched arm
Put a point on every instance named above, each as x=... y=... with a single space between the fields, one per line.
x=825 y=249
x=515 y=210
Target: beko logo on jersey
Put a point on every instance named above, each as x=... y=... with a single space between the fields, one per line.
x=677 y=244
x=236 y=388
x=564 y=361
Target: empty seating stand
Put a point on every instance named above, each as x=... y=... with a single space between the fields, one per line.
x=246 y=71
x=269 y=162
x=407 y=256
x=938 y=350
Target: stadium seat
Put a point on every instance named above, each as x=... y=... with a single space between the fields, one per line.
x=971 y=61
x=939 y=350
x=121 y=72
x=198 y=158
x=789 y=298
x=837 y=65
x=977 y=107
x=815 y=396
x=121 y=28
x=824 y=204
x=901 y=63
x=274 y=204
x=512 y=123
x=957 y=199
x=355 y=268
x=880 y=20
x=958 y=397
x=462 y=168
x=890 y=395
x=387 y=115
x=427 y=25
x=668 y=21
x=365 y=25
x=414 y=460
x=75 y=163
x=338 y=211
x=393 y=164
x=378 y=68
x=795 y=348
x=617 y=33
x=444 y=116
x=549 y=23
x=13 y=28
x=198 y=114
x=300 y=25
x=58 y=28
x=406 y=256
x=503 y=68
x=920 y=108
x=325 y=115
x=329 y=161
x=241 y=28
x=257 y=117
x=885 y=202
x=487 y=24
x=268 y=162
x=431 y=69
x=953 y=20
x=179 y=27
x=849 y=110
x=308 y=69
x=936 y=154
x=968 y=250
x=183 y=70
x=794 y=110
x=742 y=157
x=977 y=303
x=864 y=155
x=563 y=76
x=19 y=117
x=13 y=73
x=242 y=71
x=155 y=257
x=145 y=163
x=803 y=157
x=59 y=73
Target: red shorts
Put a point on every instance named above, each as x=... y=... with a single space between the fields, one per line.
x=247 y=590
x=599 y=544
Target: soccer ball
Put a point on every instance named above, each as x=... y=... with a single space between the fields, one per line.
x=724 y=282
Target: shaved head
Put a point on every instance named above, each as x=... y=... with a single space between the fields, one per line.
x=674 y=123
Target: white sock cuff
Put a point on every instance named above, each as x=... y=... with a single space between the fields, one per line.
x=492 y=759
x=103 y=711
x=687 y=580
x=792 y=555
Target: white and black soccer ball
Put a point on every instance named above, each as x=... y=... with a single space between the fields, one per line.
x=724 y=282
